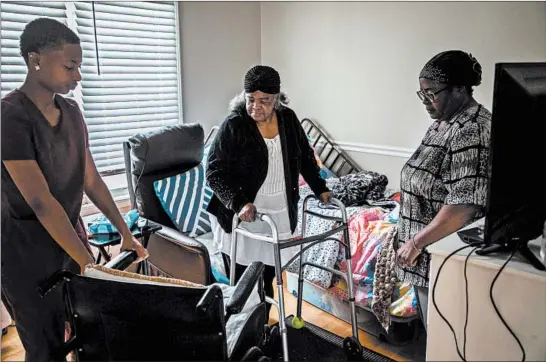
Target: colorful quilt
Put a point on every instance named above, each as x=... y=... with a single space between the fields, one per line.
x=368 y=227
x=367 y=230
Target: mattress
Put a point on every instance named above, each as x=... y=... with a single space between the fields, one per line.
x=335 y=299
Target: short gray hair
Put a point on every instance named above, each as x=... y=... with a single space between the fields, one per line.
x=239 y=101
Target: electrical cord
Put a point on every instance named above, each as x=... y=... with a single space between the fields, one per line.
x=495 y=305
x=463 y=355
x=436 y=306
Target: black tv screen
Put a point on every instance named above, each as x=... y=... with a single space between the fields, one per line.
x=516 y=203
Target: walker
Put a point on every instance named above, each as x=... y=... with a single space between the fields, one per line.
x=351 y=345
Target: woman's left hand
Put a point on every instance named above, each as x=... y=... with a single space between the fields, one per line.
x=407 y=254
x=325 y=197
x=131 y=243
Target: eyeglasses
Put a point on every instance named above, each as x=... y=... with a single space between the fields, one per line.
x=429 y=96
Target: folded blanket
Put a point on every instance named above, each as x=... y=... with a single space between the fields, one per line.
x=101 y=225
x=357 y=188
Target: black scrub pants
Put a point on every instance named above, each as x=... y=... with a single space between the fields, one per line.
x=29 y=257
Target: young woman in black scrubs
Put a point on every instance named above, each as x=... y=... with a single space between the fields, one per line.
x=46 y=168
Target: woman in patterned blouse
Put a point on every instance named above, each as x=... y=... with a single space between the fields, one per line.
x=443 y=184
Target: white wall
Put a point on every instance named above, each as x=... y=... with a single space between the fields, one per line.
x=220 y=41
x=353 y=66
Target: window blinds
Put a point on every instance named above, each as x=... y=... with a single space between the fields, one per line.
x=134 y=84
x=137 y=89
x=14 y=17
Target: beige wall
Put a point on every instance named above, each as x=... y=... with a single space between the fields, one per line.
x=353 y=66
x=219 y=42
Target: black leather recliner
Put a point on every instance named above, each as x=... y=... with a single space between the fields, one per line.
x=155 y=156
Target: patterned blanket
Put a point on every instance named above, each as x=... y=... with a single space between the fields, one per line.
x=325 y=253
x=357 y=188
x=373 y=192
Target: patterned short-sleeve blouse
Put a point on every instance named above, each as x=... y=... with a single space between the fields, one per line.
x=449 y=167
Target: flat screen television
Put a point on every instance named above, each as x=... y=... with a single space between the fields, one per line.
x=516 y=202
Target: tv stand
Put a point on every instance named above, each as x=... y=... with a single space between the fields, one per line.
x=519 y=281
x=521 y=248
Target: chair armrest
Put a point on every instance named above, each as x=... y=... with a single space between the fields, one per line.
x=175 y=255
x=244 y=287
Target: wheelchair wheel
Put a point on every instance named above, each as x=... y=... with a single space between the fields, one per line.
x=253 y=354
x=265 y=337
x=272 y=341
x=352 y=349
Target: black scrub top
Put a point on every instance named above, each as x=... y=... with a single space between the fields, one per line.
x=60 y=152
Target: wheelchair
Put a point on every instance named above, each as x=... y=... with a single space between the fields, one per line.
x=119 y=316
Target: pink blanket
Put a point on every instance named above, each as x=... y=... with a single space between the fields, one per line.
x=367 y=230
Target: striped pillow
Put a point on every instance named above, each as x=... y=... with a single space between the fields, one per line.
x=185 y=198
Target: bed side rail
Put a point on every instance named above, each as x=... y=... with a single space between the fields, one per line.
x=211 y=134
x=331 y=156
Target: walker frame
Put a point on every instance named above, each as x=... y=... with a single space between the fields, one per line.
x=351 y=344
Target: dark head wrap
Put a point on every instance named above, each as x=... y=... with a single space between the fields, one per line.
x=453 y=67
x=262 y=78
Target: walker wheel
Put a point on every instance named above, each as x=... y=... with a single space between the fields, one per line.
x=298 y=323
x=352 y=348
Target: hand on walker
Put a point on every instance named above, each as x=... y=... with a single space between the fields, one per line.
x=325 y=197
x=248 y=213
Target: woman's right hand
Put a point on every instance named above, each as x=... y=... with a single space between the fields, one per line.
x=248 y=213
x=88 y=259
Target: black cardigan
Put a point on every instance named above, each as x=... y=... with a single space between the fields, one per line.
x=237 y=165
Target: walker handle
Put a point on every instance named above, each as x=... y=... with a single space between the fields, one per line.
x=267 y=219
x=337 y=202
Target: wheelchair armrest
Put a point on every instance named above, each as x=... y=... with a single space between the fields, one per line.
x=123 y=260
x=209 y=301
x=244 y=287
